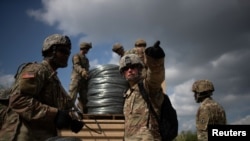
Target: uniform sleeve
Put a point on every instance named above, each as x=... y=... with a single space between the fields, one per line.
x=77 y=64
x=155 y=73
x=202 y=119
x=22 y=99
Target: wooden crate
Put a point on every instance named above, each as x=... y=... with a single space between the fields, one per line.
x=99 y=128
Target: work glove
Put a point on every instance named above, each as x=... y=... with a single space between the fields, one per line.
x=155 y=51
x=76 y=125
x=85 y=74
x=62 y=119
x=75 y=113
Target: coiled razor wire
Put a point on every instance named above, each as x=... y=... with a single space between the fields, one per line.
x=105 y=90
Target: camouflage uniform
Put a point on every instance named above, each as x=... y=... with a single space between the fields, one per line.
x=136 y=112
x=209 y=113
x=139 y=49
x=79 y=83
x=4 y=102
x=35 y=98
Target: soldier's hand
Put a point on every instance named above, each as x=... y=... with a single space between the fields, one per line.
x=76 y=114
x=85 y=74
x=62 y=119
x=76 y=125
x=155 y=51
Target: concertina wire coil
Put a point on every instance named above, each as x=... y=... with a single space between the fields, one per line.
x=105 y=90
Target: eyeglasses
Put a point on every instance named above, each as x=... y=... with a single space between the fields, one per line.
x=129 y=67
x=64 y=51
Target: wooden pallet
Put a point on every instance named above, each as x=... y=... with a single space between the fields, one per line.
x=106 y=127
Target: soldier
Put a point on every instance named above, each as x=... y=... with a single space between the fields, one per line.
x=79 y=76
x=118 y=49
x=210 y=112
x=139 y=49
x=37 y=97
x=140 y=124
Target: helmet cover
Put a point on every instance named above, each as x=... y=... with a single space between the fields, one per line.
x=128 y=60
x=117 y=46
x=55 y=39
x=85 y=45
x=200 y=86
x=140 y=42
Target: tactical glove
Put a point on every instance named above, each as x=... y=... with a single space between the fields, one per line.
x=62 y=119
x=155 y=51
x=76 y=125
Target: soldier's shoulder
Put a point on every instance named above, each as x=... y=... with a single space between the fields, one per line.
x=76 y=54
x=210 y=102
x=33 y=66
x=34 y=69
x=212 y=105
x=29 y=70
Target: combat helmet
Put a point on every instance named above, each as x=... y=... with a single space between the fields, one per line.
x=130 y=60
x=117 y=46
x=201 y=86
x=140 y=43
x=55 y=39
x=86 y=45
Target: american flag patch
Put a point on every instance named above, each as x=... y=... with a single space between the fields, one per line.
x=28 y=75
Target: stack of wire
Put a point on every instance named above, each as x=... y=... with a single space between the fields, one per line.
x=105 y=90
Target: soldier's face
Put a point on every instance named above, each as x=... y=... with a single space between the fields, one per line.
x=197 y=97
x=131 y=73
x=84 y=50
x=120 y=51
x=62 y=56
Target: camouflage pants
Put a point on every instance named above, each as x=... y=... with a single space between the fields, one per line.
x=79 y=86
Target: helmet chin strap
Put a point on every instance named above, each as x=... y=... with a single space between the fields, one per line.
x=200 y=97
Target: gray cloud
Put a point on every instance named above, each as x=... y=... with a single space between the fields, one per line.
x=202 y=40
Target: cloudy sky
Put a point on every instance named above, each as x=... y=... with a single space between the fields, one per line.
x=202 y=40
